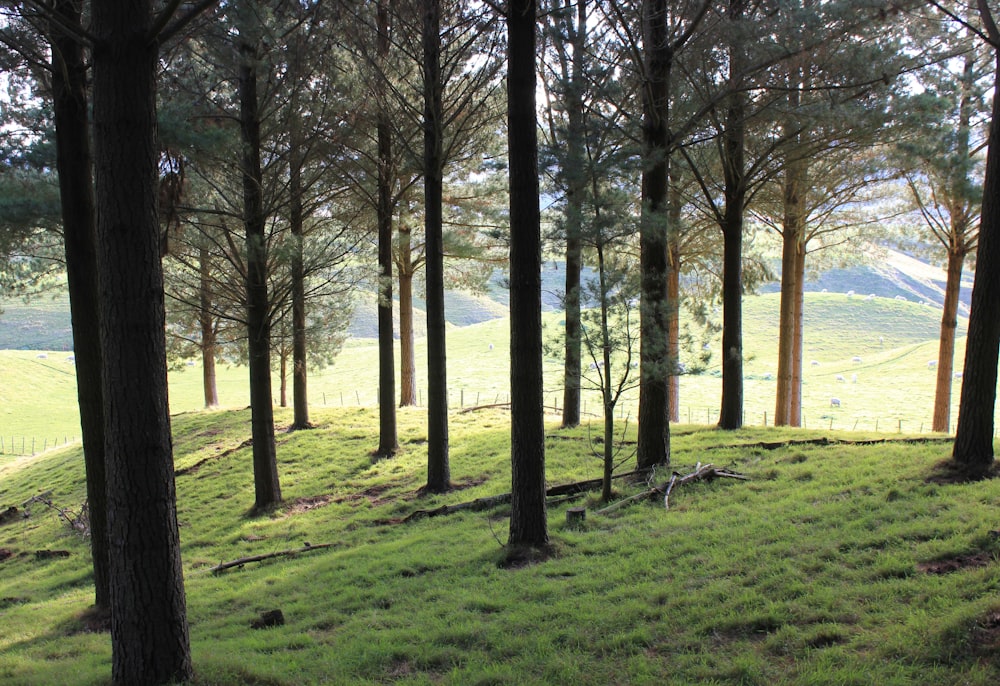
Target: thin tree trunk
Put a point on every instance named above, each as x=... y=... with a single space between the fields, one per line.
x=604 y=373
x=300 y=396
x=576 y=183
x=438 y=470
x=974 y=433
x=946 y=344
x=266 y=487
x=654 y=358
x=674 y=299
x=528 y=526
x=407 y=356
x=149 y=630
x=283 y=378
x=207 y=321
x=795 y=401
x=388 y=442
x=76 y=194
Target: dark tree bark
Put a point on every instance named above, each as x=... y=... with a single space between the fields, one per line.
x=149 y=630
x=76 y=194
x=388 y=442
x=267 y=490
x=209 y=342
x=674 y=299
x=576 y=180
x=974 y=434
x=734 y=173
x=528 y=526
x=438 y=471
x=300 y=398
x=654 y=357
x=795 y=402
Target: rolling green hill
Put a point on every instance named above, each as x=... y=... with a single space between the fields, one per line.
x=833 y=564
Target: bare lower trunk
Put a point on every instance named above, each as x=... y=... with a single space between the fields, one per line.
x=76 y=193
x=407 y=357
x=207 y=323
x=149 y=631
x=946 y=344
x=528 y=525
x=795 y=401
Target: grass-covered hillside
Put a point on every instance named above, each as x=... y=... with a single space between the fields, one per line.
x=835 y=563
x=891 y=389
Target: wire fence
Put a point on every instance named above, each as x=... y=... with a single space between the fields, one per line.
x=31 y=445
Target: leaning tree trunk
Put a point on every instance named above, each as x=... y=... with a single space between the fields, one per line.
x=973 y=449
x=438 y=470
x=209 y=340
x=528 y=524
x=267 y=490
x=76 y=194
x=149 y=630
x=654 y=358
x=946 y=341
x=388 y=442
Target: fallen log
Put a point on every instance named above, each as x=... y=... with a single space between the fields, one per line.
x=223 y=566
x=504 y=498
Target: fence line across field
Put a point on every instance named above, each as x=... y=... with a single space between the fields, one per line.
x=460 y=399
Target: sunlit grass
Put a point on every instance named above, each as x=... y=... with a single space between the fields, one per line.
x=809 y=573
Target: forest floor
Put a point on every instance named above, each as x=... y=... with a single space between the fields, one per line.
x=845 y=558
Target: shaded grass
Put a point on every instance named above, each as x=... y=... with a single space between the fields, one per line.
x=807 y=574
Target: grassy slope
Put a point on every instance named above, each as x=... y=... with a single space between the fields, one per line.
x=894 y=383
x=807 y=574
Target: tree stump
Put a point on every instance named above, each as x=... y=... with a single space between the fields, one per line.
x=576 y=516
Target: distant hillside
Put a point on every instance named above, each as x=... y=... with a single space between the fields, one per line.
x=44 y=324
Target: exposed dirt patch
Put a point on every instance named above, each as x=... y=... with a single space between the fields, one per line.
x=11 y=514
x=956 y=564
x=5 y=553
x=300 y=505
x=949 y=472
x=93 y=620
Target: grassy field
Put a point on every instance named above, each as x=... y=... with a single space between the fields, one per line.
x=891 y=389
x=837 y=564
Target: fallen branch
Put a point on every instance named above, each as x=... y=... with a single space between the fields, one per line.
x=700 y=472
x=221 y=567
x=504 y=498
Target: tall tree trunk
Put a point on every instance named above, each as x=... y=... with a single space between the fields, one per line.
x=674 y=298
x=974 y=435
x=734 y=172
x=957 y=250
x=267 y=490
x=792 y=234
x=388 y=442
x=407 y=356
x=438 y=470
x=76 y=194
x=528 y=525
x=283 y=378
x=654 y=357
x=795 y=401
x=149 y=630
x=576 y=182
x=209 y=342
x=300 y=396
x=604 y=373
x=946 y=343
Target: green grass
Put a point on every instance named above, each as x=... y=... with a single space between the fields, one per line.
x=809 y=573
